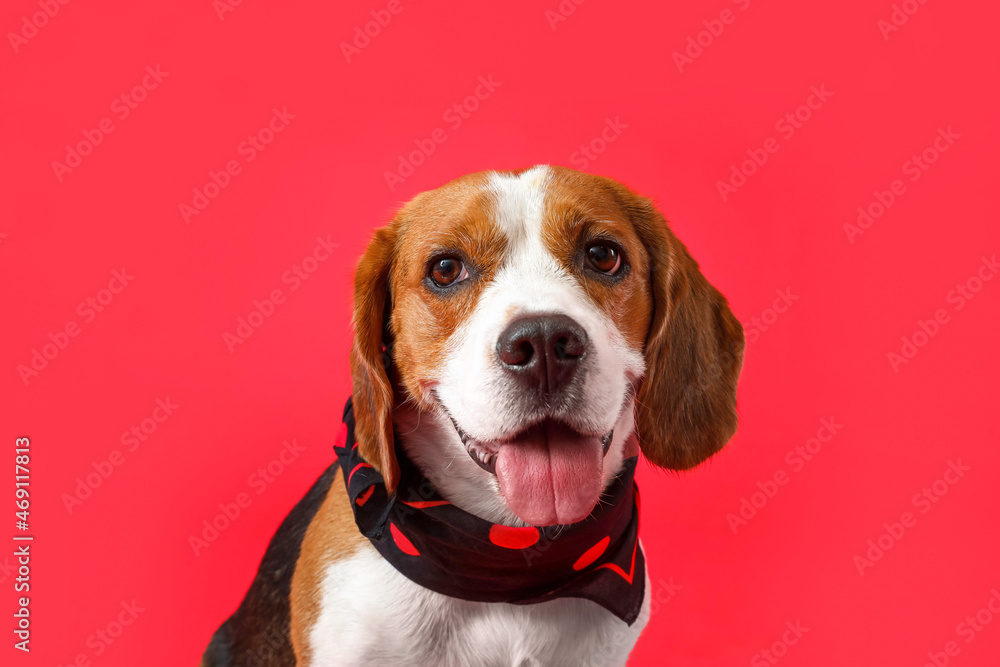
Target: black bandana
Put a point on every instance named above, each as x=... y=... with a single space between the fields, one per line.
x=450 y=551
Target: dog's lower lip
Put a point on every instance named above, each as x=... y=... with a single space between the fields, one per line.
x=487 y=460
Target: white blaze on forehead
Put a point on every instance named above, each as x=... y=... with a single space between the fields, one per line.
x=520 y=202
x=530 y=279
x=519 y=212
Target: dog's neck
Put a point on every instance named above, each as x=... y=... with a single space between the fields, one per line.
x=431 y=442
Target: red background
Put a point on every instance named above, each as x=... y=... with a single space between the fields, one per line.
x=324 y=174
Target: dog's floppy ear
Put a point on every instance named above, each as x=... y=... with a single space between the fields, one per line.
x=686 y=406
x=372 y=390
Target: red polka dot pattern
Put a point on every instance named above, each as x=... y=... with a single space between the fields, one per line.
x=591 y=554
x=511 y=537
x=365 y=495
x=404 y=544
x=425 y=504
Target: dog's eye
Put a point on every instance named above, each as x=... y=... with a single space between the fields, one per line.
x=447 y=271
x=604 y=258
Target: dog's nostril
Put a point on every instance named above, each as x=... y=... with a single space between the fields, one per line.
x=568 y=347
x=515 y=348
x=517 y=353
x=526 y=351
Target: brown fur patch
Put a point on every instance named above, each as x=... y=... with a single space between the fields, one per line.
x=456 y=221
x=331 y=536
x=581 y=209
x=372 y=391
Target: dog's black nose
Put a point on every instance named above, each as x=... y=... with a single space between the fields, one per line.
x=543 y=351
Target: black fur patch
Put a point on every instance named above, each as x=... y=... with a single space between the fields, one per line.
x=257 y=635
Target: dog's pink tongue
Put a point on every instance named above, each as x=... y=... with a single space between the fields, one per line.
x=551 y=475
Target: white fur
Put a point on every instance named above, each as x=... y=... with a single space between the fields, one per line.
x=373 y=615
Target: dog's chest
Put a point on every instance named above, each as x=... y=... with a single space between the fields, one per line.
x=369 y=614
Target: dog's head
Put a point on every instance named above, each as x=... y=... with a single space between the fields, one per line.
x=541 y=316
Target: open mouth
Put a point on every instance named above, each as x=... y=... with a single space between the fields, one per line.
x=485 y=455
x=548 y=473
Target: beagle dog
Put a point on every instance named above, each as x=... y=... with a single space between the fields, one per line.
x=519 y=337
